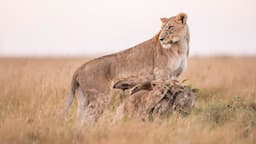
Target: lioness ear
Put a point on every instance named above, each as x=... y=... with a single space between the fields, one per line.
x=181 y=18
x=164 y=20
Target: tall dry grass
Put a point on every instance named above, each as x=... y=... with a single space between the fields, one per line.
x=33 y=91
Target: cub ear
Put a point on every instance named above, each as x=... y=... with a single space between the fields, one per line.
x=182 y=18
x=164 y=20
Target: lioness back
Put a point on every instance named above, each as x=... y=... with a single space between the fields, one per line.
x=136 y=60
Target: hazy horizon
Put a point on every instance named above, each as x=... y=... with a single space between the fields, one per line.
x=94 y=27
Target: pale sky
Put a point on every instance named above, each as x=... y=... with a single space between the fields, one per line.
x=98 y=27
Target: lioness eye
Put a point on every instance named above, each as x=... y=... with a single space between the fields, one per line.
x=169 y=27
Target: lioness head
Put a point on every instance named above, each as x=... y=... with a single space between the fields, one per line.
x=173 y=30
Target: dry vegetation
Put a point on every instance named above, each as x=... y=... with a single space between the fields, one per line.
x=32 y=92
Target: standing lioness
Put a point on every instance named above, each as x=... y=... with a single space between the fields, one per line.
x=162 y=57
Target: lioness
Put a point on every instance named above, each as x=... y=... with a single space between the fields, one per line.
x=162 y=57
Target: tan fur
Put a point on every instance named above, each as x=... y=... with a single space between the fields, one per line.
x=148 y=59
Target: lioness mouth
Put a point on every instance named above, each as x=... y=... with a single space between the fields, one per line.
x=170 y=42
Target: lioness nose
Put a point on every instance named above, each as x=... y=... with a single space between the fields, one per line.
x=161 y=39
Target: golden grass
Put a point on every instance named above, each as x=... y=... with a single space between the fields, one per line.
x=33 y=91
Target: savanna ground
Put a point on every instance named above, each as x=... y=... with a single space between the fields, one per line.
x=33 y=91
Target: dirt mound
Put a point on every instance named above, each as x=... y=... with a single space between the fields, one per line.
x=155 y=99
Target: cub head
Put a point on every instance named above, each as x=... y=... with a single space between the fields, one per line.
x=173 y=30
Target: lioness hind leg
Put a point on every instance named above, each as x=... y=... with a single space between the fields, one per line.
x=82 y=104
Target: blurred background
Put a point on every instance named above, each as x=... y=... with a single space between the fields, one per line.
x=43 y=42
x=97 y=27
